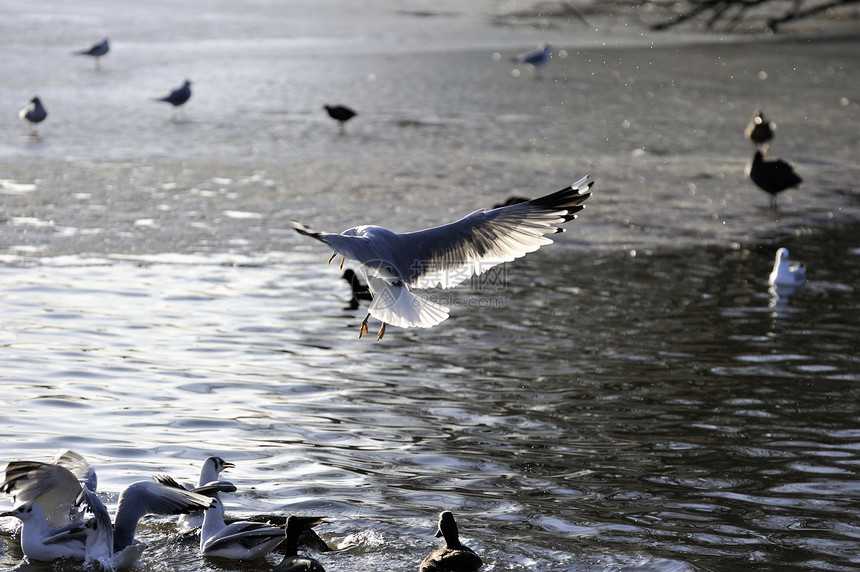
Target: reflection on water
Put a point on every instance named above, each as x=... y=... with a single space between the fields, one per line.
x=650 y=412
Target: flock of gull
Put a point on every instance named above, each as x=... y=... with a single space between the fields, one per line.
x=63 y=518
x=34 y=112
x=395 y=264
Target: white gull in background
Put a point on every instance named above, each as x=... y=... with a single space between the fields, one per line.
x=446 y=255
x=238 y=540
x=786 y=274
x=39 y=541
x=113 y=545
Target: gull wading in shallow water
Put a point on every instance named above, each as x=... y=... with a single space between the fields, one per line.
x=446 y=255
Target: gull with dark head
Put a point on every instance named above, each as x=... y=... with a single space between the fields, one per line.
x=33 y=113
x=243 y=540
x=210 y=472
x=96 y=51
x=446 y=255
x=53 y=486
x=178 y=96
x=40 y=541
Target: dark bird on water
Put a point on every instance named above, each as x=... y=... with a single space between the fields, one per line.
x=760 y=131
x=96 y=51
x=292 y=562
x=453 y=557
x=340 y=113
x=537 y=57
x=34 y=113
x=772 y=177
x=178 y=96
x=359 y=291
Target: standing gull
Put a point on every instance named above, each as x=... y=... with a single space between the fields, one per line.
x=34 y=112
x=446 y=255
x=453 y=557
x=772 y=177
x=96 y=51
x=760 y=131
x=341 y=114
x=178 y=96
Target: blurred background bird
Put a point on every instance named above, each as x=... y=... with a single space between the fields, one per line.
x=773 y=176
x=760 y=131
x=341 y=114
x=178 y=96
x=34 y=113
x=96 y=51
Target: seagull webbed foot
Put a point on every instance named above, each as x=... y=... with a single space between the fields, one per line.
x=363 y=326
x=381 y=332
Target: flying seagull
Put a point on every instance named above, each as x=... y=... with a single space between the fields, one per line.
x=446 y=255
x=96 y=51
x=34 y=113
x=772 y=177
x=452 y=556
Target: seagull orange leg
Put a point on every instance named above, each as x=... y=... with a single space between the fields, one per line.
x=381 y=332
x=332 y=258
x=363 y=326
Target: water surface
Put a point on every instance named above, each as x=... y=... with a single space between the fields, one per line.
x=630 y=398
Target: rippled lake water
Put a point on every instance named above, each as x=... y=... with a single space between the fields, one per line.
x=630 y=398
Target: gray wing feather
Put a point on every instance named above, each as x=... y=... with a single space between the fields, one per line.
x=451 y=253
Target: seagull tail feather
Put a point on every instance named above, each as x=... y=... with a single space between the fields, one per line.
x=395 y=304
